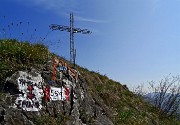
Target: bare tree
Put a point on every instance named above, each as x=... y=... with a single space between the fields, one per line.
x=139 y=90
x=166 y=95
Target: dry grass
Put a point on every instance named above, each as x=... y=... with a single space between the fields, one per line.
x=126 y=108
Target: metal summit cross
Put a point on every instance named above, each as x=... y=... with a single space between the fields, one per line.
x=72 y=30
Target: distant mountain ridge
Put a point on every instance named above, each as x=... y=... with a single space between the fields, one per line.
x=154 y=98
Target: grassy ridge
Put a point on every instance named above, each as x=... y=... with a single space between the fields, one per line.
x=16 y=55
x=23 y=52
x=121 y=105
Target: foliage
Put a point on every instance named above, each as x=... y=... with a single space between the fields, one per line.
x=50 y=120
x=166 y=96
x=119 y=104
x=16 y=55
x=23 y=52
x=126 y=107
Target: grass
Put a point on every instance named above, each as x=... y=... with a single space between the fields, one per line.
x=124 y=108
x=50 y=120
x=16 y=55
x=23 y=52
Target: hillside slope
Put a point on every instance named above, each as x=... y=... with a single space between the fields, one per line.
x=96 y=99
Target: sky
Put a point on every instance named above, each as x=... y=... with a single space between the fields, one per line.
x=132 y=41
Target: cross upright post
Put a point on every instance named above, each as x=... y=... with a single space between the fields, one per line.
x=71 y=38
x=72 y=30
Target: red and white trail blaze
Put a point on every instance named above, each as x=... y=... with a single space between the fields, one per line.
x=34 y=91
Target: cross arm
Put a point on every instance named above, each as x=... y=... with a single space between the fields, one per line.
x=68 y=29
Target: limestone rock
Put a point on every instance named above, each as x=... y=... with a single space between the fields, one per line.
x=80 y=108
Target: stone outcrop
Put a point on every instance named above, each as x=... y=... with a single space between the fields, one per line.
x=71 y=101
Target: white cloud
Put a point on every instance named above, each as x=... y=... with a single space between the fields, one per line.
x=56 y=6
x=88 y=20
x=60 y=7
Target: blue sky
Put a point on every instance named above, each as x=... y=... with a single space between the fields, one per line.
x=133 y=41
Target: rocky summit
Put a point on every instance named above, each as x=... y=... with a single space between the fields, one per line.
x=56 y=90
x=38 y=87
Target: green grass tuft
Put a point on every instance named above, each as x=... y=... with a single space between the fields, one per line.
x=16 y=55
